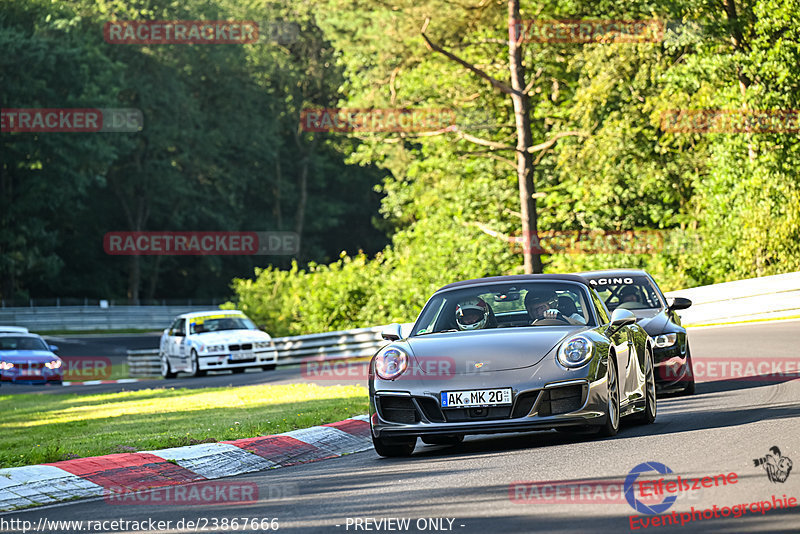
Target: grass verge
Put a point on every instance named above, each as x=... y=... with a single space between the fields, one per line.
x=48 y=428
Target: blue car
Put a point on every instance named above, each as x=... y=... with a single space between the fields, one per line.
x=26 y=357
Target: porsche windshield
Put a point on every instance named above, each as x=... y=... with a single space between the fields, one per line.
x=217 y=324
x=626 y=292
x=505 y=305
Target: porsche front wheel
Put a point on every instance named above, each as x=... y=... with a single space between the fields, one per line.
x=395 y=447
x=648 y=415
x=611 y=426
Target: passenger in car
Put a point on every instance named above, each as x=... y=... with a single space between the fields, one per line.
x=567 y=308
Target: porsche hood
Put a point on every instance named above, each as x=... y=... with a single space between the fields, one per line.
x=490 y=350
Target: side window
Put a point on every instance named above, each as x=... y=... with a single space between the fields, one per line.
x=601 y=308
x=177 y=328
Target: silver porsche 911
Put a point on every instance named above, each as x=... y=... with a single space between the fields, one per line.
x=510 y=354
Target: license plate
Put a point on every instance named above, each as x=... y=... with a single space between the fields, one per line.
x=242 y=356
x=476 y=397
x=35 y=372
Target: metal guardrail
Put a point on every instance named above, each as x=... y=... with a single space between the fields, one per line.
x=144 y=363
x=79 y=318
x=768 y=297
x=292 y=350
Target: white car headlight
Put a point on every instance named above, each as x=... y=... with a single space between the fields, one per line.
x=666 y=340
x=262 y=344
x=390 y=363
x=576 y=352
x=215 y=348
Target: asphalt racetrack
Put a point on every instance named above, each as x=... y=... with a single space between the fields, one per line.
x=483 y=485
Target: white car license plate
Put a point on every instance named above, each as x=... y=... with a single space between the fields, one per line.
x=476 y=397
x=242 y=356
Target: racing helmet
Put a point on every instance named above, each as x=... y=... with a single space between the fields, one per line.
x=472 y=314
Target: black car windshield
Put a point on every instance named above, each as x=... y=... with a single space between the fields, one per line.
x=22 y=343
x=505 y=305
x=626 y=292
x=202 y=325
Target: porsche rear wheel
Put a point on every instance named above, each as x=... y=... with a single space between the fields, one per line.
x=442 y=440
x=394 y=448
x=648 y=415
x=611 y=426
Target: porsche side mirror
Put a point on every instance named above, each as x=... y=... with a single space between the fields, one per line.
x=621 y=317
x=680 y=303
x=391 y=332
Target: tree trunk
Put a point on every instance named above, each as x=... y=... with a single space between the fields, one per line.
x=522 y=108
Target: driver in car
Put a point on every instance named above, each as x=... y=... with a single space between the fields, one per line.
x=539 y=304
x=628 y=294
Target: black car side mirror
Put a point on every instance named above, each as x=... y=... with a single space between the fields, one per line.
x=680 y=303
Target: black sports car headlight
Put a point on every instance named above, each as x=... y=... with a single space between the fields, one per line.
x=390 y=363
x=575 y=352
x=666 y=340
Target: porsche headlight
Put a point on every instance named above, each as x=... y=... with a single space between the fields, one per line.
x=576 y=352
x=666 y=340
x=55 y=364
x=390 y=363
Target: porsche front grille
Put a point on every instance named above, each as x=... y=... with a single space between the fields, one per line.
x=560 y=400
x=398 y=409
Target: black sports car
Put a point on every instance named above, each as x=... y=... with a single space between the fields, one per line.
x=636 y=290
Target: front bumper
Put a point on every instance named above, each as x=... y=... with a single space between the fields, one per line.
x=565 y=403
x=23 y=375
x=222 y=361
x=672 y=368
